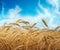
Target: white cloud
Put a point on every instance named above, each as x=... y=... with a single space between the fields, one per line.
x=56 y=4
x=14 y=13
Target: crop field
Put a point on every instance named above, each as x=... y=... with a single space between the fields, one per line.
x=13 y=36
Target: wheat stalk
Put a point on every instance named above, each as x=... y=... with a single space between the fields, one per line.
x=57 y=27
x=22 y=21
x=44 y=23
x=29 y=27
x=25 y=22
x=15 y=24
x=26 y=27
x=18 y=20
x=33 y=25
x=7 y=27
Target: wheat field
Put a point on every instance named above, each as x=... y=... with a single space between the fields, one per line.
x=13 y=36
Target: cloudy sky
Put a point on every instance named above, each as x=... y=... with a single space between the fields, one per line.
x=31 y=10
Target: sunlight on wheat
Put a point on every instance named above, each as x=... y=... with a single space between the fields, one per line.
x=29 y=38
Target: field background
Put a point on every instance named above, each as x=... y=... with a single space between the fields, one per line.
x=13 y=36
x=29 y=24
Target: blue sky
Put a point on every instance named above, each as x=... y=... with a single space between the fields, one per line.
x=31 y=10
x=28 y=6
x=0 y=5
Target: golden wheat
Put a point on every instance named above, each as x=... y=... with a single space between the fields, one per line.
x=57 y=27
x=19 y=20
x=15 y=24
x=25 y=22
x=28 y=39
x=29 y=27
x=44 y=23
x=22 y=21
